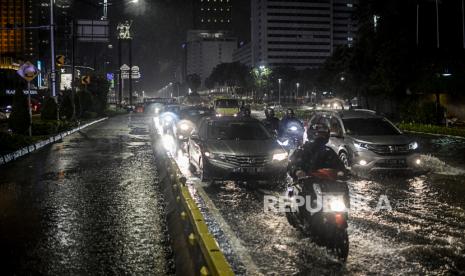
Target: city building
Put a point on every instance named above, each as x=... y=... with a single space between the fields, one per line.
x=206 y=49
x=212 y=14
x=243 y=54
x=16 y=40
x=300 y=34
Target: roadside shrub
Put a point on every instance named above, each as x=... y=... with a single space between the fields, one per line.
x=66 y=107
x=49 y=110
x=432 y=129
x=89 y=115
x=12 y=142
x=19 y=117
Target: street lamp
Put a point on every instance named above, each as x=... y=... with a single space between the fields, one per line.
x=297 y=85
x=279 y=91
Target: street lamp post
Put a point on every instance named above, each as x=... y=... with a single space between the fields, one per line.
x=297 y=85
x=279 y=91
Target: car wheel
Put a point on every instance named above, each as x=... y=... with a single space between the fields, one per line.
x=191 y=166
x=344 y=157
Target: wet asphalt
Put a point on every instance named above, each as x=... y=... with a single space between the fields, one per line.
x=91 y=205
x=87 y=205
x=422 y=234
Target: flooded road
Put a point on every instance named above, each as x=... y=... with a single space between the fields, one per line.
x=423 y=233
x=87 y=205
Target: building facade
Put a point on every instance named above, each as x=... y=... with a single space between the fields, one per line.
x=300 y=34
x=212 y=14
x=243 y=54
x=206 y=49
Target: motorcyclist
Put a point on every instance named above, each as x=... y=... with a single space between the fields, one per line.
x=314 y=154
x=271 y=122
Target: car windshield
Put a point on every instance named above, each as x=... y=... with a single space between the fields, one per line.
x=369 y=127
x=237 y=131
x=227 y=103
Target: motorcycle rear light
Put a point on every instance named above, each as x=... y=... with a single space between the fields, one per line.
x=340 y=220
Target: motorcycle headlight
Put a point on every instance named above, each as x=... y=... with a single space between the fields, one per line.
x=284 y=143
x=184 y=127
x=280 y=156
x=293 y=128
x=413 y=146
x=168 y=119
x=336 y=204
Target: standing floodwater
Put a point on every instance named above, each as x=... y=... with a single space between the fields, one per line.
x=87 y=205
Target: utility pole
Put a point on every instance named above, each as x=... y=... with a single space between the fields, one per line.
x=130 y=71
x=52 y=58
x=437 y=24
x=279 y=91
x=73 y=69
x=120 y=78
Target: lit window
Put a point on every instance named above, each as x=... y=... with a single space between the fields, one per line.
x=349 y=5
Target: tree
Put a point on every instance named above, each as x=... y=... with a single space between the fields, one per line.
x=235 y=75
x=193 y=82
x=19 y=118
x=49 y=110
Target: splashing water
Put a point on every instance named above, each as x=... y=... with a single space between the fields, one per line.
x=437 y=166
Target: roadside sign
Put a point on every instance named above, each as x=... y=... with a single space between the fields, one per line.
x=28 y=71
x=60 y=60
x=85 y=80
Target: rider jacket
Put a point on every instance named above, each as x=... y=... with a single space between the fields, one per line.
x=272 y=123
x=312 y=157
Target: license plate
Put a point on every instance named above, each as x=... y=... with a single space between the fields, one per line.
x=395 y=161
x=250 y=170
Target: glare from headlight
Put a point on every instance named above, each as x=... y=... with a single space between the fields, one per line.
x=413 y=146
x=168 y=143
x=337 y=205
x=293 y=128
x=157 y=110
x=280 y=156
x=184 y=127
x=284 y=143
x=362 y=162
x=418 y=161
x=168 y=119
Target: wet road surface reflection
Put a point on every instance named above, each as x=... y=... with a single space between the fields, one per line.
x=87 y=205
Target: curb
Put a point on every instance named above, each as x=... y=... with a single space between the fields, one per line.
x=52 y=139
x=196 y=250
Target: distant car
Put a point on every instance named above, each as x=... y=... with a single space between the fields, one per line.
x=189 y=119
x=226 y=107
x=367 y=142
x=236 y=148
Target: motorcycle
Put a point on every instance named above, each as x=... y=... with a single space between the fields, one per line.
x=319 y=204
x=292 y=136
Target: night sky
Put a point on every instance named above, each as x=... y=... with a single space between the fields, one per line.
x=159 y=30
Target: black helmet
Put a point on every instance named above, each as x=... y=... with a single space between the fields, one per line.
x=290 y=113
x=318 y=134
x=267 y=113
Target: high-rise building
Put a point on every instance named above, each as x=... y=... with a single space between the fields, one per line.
x=300 y=34
x=206 y=49
x=16 y=40
x=212 y=14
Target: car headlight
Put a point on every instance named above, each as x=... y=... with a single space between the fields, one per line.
x=184 y=127
x=336 y=204
x=413 y=146
x=209 y=154
x=360 y=145
x=157 y=110
x=280 y=156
